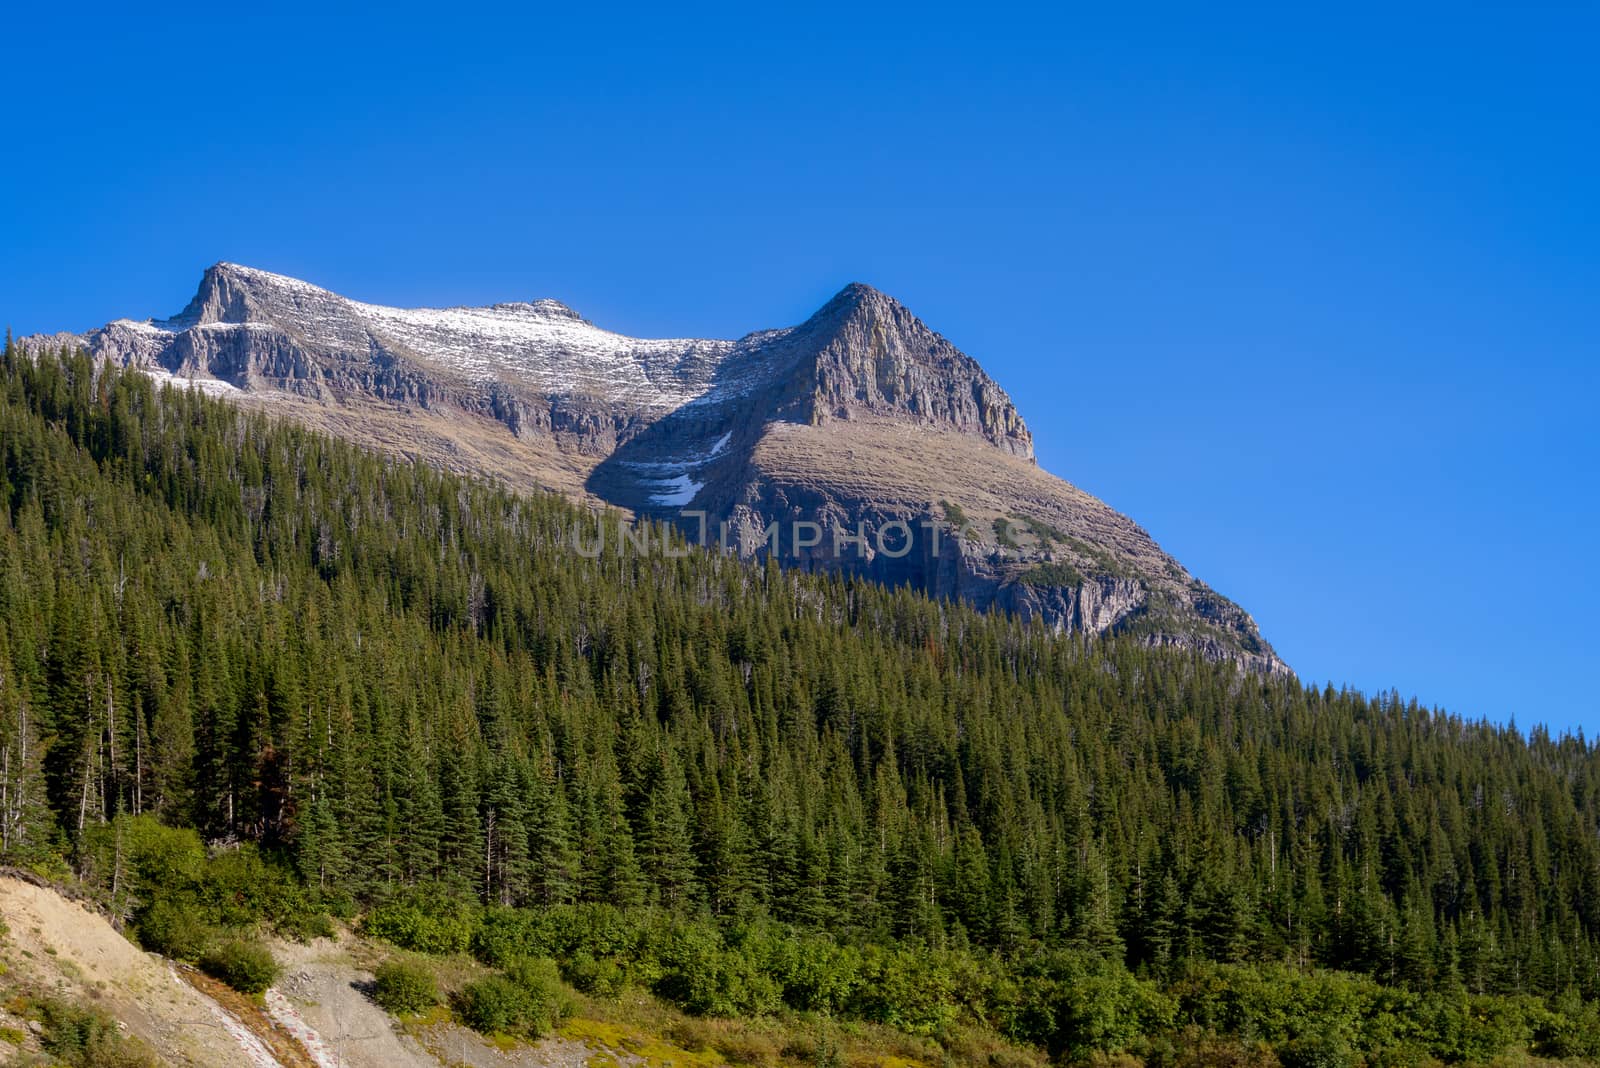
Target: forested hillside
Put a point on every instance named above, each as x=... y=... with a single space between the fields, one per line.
x=412 y=698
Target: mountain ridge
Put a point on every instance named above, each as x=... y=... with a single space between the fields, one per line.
x=860 y=419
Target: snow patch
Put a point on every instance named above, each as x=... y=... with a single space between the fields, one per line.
x=211 y=387
x=138 y=326
x=676 y=492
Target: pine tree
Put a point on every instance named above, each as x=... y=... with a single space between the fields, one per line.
x=1094 y=909
x=666 y=844
x=25 y=818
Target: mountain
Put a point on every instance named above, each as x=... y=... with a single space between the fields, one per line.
x=912 y=463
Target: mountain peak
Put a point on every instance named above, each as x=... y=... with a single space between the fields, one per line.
x=861 y=292
x=234 y=293
x=255 y=278
x=875 y=357
x=853 y=299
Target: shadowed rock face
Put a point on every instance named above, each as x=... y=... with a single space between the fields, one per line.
x=912 y=462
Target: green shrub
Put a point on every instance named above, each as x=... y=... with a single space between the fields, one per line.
x=1195 y=1047
x=246 y=966
x=306 y=925
x=174 y=930
x=598 y=977
x=702 y=976
x=405 y=986
x=165 y=859
x=813 y=972
x=691 y=1034
x=1054 y=573
x=243 y=888
x=748 y=1048
x=424 y=919
x=906 y=989
x=1108 y=1010
x=411 y=928
x=496 y=1005
x=187 y=894
x=1403 y=1055
x=1316 y=1051
x=506 y=934
x=338 y=903
x=70 y=1029
x=1571 y=1028
x=548 y=1000
x=1043 y=531
x=84 y=1038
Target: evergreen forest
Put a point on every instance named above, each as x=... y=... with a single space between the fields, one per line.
x=255 y=678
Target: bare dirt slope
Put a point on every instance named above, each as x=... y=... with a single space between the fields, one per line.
x=322 y=998
x=59 y=945
x=324 y=989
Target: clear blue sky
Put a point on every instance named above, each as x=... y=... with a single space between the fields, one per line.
x=1310 y=293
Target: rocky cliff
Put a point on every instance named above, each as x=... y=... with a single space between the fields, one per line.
x=859 y=439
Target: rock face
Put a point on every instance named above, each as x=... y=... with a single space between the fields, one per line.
x=858 y=440
x=873 y=357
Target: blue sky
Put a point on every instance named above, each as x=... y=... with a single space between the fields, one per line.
x=1311 y=294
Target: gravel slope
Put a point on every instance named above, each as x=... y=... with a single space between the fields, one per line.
x=57 y=944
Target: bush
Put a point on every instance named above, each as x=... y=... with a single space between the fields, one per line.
x=244 y=888
x=69 y=1030
x=507 y=934
x=1404 y=1055
x=747 y=1048
x=496 y=1005
x=813 y=973
x=549 y=1002
x=87 y=1039
x=405 y=986
x=701 y=976
x=691 y=1034
x=907 y=990
x=600 y=978
x=187 y=895
x=424 y=919
x=1316 y=1051
x=1053 y=573
x=1197 y=1048
x=1571 y=1028
x=174 y=930
x=304 y=926
x=246 y=966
